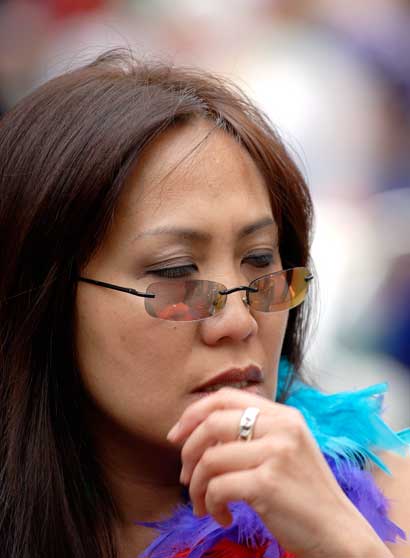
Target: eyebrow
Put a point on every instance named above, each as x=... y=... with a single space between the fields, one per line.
x=187 y=233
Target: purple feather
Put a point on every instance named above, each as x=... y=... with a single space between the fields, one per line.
x=200 y=534
x=348 y=429
x=362 y=491
x=186 y=535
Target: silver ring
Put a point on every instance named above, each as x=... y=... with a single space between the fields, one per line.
x=247 y=423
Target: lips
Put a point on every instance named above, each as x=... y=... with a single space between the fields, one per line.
x=251 y=373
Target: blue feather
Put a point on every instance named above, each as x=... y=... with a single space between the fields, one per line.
x=348 y=424
x=350 y=432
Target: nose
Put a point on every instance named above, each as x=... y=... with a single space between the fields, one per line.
x=235 y=321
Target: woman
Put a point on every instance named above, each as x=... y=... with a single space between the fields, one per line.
x=155 y=242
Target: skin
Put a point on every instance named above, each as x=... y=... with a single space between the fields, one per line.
x=140 y=371
x=396 y=488
x=271 y=476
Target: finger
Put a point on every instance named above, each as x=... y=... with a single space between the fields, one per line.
x=226 y=458
x=225 y=398
x=230 y=487
x=219 y=427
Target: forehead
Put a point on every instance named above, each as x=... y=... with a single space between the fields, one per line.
x=195 y=173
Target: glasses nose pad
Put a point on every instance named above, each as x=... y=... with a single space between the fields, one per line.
x=245 y=300
x=219 y=300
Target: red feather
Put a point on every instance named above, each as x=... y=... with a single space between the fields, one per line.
x=229 y=549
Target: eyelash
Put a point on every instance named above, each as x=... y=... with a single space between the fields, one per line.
x=182 y=271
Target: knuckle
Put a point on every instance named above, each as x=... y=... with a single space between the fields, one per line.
x=267 y=488
x=207 y=459
x=294 y=413
x=185 y=452
x=213 y=494
x=295 y=424
x=267 y=479
x=288 y=449
x=193 y=492
x=281 y=450
x=272 y=445
x=213 y=421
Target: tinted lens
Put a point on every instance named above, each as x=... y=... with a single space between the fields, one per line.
x=280 y=291
x=185 y=301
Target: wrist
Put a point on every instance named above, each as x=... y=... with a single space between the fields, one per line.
x=371 y=549
x=368 y=546
x=352 y=547
x=357 y=540
x=374 y=549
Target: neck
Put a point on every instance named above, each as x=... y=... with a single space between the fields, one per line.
x=139 y=501
x=143 y=479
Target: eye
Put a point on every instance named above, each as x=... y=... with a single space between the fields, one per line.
x=174 y=272
x=260 y=260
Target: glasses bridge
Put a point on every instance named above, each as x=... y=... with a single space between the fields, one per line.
x=197 y=299
x=235 y=289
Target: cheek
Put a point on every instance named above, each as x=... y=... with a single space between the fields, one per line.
x=125 y=361
x=272 y=330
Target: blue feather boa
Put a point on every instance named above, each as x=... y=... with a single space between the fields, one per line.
x=349 y=431
x=346 y=425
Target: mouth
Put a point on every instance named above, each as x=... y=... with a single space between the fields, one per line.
x=248 y=378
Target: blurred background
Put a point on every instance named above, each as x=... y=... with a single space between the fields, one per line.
x=334 y=77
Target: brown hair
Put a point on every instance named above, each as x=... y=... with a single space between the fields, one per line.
x=65 y=152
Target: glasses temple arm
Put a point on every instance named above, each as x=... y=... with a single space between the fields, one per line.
x=115 y=287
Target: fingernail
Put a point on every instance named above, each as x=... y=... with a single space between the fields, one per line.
x=172 y=434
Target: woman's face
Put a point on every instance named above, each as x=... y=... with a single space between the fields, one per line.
x=140 y=371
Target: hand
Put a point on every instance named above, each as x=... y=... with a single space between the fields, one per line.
x=281 y=473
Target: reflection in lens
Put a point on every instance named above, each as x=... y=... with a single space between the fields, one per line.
x=279 y=291
x=183 y=301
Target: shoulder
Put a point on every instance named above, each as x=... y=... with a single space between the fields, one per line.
x=396 y=488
